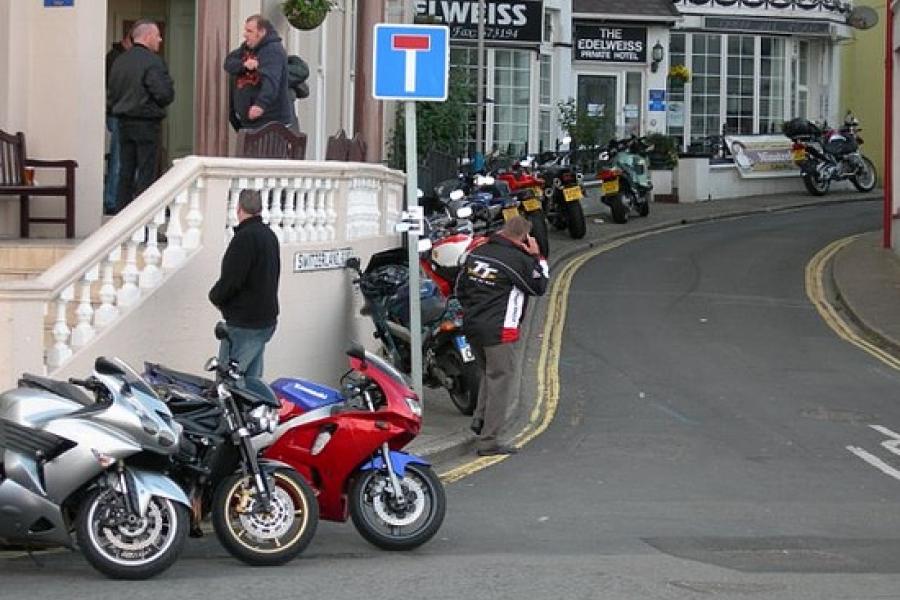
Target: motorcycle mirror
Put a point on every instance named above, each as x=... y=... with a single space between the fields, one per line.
x=463 y=212
x=212 y=363
x=221 y=331
x=424 y=244
x=457 y=195
x=352 y=263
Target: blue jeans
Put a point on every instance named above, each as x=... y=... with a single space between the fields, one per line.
x=247 y=349
x=111 y=184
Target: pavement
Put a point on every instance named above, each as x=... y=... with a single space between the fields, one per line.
x=863 y=282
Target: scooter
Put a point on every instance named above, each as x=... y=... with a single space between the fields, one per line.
x=348 y=444
x=92 y=466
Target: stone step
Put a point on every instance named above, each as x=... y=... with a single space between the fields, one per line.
x=18 y=255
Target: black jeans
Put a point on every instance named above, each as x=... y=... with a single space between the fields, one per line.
x=139 y=146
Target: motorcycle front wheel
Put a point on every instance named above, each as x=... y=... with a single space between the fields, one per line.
x=575 y=219
x=619 y=209
x=815 y=185
x=263 y=537
x=123 y=546
x=539 y=231
x=866 y=179
x=643 y=207
x=384 y=522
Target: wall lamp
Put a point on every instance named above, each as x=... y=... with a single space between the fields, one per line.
x=656 y=56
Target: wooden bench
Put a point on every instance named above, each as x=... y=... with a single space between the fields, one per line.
x=340 y=147
x=13 y=182
x=272 y=140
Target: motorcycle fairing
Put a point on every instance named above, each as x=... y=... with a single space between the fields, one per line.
x=306 y=394
x=399 y=460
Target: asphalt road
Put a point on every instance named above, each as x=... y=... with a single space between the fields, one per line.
x=700 y=450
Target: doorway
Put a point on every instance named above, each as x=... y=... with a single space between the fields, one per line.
x=177 y=23
x=598 y=96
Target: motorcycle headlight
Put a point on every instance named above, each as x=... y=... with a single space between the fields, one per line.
x=414 y=406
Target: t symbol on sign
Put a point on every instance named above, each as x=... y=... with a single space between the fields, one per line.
x=411 y=43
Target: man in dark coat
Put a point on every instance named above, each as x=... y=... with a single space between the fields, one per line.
x=247 y=289
x=138 y=91
x=259 y=72
x=493 y=288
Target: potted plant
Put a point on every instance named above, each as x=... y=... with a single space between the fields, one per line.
x=306 y=14
x=680 y=74
x=664 y=154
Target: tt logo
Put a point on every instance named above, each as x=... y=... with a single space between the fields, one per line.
x=483 y=270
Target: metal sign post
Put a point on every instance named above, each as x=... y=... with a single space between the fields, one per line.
x=412 y=63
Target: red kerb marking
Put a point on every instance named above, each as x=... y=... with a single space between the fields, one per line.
x=410 y=42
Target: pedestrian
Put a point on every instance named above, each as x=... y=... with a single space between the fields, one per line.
x=139 y=91
x=493 y=288
x=111 y=184
x=247 y=289
x=259 y=74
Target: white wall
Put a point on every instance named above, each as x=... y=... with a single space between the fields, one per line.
x=52 y=88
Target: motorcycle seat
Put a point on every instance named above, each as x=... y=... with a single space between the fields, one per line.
x=60 y=388
x=158 y=374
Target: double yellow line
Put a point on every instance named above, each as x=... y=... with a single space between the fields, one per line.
x=815 y=290
x=548 y=364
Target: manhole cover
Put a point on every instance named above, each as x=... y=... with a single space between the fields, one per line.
x=837 y=415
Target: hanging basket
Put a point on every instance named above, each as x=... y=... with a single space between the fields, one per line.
x=306 y=18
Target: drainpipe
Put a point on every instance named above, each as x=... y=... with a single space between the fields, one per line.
x=888 y=124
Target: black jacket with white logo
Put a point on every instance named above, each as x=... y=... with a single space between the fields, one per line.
x=493 y=287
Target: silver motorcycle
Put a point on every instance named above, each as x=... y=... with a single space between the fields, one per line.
x=89 y=469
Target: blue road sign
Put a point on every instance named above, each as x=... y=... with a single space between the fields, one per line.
x=412 y=62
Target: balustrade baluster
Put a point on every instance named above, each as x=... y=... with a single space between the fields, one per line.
x=321 y=215
x=84 y=332
x=129 y=293
x=276 y=215
x=309 y=201
x=264 y=191
x=331 y=213
x=151 y=275
x=61 y=352
x=195 y=218
x=108 y=312
x=174 y=254
x=290 y=212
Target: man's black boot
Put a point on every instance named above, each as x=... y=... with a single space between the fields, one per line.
x=476 y=426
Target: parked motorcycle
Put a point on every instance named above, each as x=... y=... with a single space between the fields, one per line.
x=263 y=512
x=348 y=445
x=625 y=178
x=830 y=155
x=448 y=358
x=562 y=191
x=70 y=463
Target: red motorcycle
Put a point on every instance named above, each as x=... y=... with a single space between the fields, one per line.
x=347 y=445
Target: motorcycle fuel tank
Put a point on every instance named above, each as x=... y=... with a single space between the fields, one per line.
x=306 y=394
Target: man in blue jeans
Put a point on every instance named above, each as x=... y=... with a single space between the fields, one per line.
x=247 y=289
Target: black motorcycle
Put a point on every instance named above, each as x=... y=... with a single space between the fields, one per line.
x=563 y=192
x=263 y=512
x=448 y=359
x=826 y=155
x=625 y=177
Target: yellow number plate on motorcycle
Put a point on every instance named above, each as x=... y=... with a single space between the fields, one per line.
x=610 y=187
x=798 y=155
x=538 y=191
x=509 y=213
x=531 y=204
x=572 y=193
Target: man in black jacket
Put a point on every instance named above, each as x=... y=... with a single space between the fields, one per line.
x=138 y=91
x=493 y=288
x=259 y=70
x=247 y=290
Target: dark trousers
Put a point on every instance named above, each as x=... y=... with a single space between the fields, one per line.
x=138 y=145
x=499 y=386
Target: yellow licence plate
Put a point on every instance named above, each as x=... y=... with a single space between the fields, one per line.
x=572 y=193
x=799 y=155
x=509 y=213
x=610 y=187
x=538 y=191
x=531 y=204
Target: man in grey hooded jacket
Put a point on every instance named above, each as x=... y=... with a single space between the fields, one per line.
x=259 y=71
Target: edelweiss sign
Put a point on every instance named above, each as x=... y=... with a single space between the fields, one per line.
x=506 y=21
x=611 y=43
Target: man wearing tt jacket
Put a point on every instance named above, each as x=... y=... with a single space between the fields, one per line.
x=493 y=288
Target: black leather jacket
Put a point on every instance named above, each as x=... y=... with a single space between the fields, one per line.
x=139 y=86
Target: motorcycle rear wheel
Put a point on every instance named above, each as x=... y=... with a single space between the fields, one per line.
x=539 y=231
x=137 y=550
x=575 y=219
x=814 y=185
x=265 y=539
x=466 y=381
x=865 y=181
x=382 y=523
x=619 y=210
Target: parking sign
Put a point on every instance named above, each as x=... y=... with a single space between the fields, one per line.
x=412 y=62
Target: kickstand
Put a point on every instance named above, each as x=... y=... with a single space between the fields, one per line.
x=34 y=559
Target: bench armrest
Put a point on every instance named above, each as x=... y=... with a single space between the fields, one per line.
x=34 y=162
